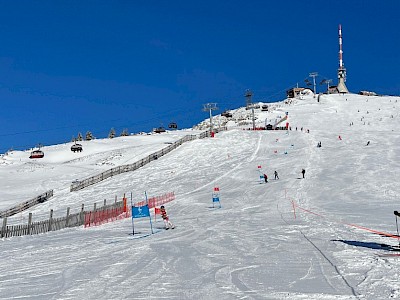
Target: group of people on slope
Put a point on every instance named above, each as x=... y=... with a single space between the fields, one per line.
x=303 y=172
x=168 y=223
x=266 y=177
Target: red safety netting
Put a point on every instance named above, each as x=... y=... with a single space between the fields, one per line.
x=158 y=200
x=95 y=218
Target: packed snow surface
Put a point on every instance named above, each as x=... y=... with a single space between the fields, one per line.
x=290 y=238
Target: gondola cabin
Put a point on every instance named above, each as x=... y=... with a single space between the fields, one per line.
x=76 y=148
x=172 y=125
x=159 y=130
x=37 y=154
x=226 y=114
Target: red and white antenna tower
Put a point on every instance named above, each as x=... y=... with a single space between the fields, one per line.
x=342 y=70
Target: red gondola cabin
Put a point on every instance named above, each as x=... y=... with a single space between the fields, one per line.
x=37 y=154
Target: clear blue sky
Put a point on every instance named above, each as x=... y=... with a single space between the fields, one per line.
x=73 y=66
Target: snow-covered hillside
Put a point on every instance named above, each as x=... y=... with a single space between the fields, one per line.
x=60 y=166
x=290 y=238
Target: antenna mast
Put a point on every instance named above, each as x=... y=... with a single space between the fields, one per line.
x=342 y=70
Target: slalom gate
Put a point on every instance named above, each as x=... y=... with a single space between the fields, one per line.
x=110 y=214
x=381 y=233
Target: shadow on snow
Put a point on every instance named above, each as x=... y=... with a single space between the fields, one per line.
x=370 y=245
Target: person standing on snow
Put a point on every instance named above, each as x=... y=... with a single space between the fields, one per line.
x=165 y=217
x=303 y=172
x=276 y=175
x=265 y=178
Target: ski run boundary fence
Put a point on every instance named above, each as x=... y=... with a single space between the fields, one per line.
x=26 y=205
x=53 y=224
x=79 y=185
x=97 y=216
x=106 y=213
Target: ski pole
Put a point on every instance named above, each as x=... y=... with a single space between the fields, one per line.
x=397 y=226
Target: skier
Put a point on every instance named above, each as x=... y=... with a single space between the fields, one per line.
x=367 y=143
x=165 y=217
x=265 y=178
x=303 y=172
x=276 y=175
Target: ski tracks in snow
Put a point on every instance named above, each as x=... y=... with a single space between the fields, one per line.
x=312 y=157
x=228 y=279
x=232 y=170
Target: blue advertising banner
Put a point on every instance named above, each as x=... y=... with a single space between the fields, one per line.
x=140 y=211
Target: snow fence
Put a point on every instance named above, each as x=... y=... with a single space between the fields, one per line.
x=81 y=184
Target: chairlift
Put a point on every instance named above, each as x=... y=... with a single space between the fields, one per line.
x=159 y=130
x=76 y=148
x=173 y=125
x=226 y=114
x=37 y=154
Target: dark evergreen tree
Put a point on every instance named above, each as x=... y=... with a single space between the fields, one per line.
x=124 y=132
x=89 y=136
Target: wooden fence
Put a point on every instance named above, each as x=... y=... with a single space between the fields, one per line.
x=81 y=184
x=78 y=219
x=27 y=204
x=53 y=224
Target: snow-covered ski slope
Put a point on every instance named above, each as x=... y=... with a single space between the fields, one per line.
x=60 y=167
x=251 y=248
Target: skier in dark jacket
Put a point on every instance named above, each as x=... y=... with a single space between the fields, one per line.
x=265 y=178
x=276 y=175
x=303 y=172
